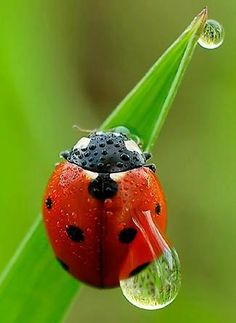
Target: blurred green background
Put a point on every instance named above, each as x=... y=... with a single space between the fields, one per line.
x=71 y=62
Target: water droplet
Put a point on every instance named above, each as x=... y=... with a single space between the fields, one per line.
x=212 y=36
x=158 y=284
x=89 y=230
x=109 y=214
x=108 y=203
x=123 y=130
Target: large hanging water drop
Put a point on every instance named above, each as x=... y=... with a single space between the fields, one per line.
x=212 y=36
x=156 y=285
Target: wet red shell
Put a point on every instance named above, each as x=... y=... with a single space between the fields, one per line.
x=101 y=258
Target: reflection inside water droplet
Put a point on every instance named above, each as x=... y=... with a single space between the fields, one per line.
x=157 y=284
x=212 y=36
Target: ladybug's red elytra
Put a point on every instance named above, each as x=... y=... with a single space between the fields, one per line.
x=90 y=205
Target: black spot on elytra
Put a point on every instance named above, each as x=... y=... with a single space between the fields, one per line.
x=127 y=235
x=48 y=203
x=138 y=269
x=103 y=187
x=64 y=265
x=75 y=233
x=158 y=208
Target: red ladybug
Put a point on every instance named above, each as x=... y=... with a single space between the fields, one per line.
x=94 y=204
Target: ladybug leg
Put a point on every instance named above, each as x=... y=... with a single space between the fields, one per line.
x=147 y=155
x=152 y=167
x=65 y=154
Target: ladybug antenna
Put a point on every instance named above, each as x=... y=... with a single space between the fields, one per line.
x=82 y=129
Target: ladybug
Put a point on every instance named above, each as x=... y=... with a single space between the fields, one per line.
x=102 y=206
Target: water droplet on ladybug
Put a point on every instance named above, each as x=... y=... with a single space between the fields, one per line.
x=155 y=284
x=109 y=214
x=212 y=36
x=124 y=157
x=110 y=141
x=84 y=148
x=86 y=154
x=108 y=203
x=92 y=147
x=89 y=230
x=100 y=165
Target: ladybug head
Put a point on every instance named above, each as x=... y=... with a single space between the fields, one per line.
x=106 y=152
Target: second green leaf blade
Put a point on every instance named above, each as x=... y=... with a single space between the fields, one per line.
x=143 y=111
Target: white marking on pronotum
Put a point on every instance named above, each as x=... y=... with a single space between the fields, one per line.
x=117 y=176
x=132 y=146
x=82 y=143
x=90 y=175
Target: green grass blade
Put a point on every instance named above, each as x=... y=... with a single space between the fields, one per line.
x=33 y=288
x=145 y=108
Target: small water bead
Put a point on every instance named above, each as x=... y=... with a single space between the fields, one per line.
x=123 y=130
x=212 y=36
x=157 y=285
